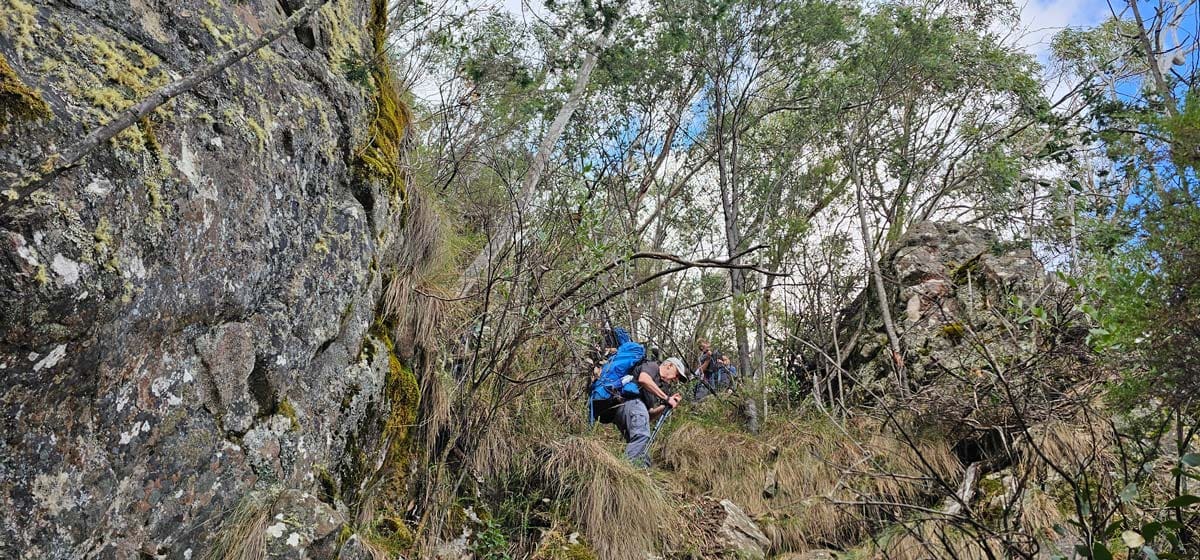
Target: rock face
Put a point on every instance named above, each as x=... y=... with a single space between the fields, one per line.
x=947 y=280
x=186 y=318
x=740 y=535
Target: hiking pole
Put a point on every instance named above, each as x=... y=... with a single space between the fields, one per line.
x=658 y=426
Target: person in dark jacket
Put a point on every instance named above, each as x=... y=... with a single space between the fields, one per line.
x=632 y=415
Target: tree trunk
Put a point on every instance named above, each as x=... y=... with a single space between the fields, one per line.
x=729 y=210
x=507 y=228
x=1160 y=83
x=897 y=358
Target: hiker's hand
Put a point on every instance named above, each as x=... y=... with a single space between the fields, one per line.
x=673 y=401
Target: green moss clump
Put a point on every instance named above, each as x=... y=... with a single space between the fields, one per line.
x=380 y=157
x=403 y=395
x=329 y=486
x=288 y=411
x=391 y=535
x=555 y=546
x=344 y=535
x=18 y=100
x=954 y=332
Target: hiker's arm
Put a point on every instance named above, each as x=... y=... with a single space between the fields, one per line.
x=654 y=412
x=647 y=384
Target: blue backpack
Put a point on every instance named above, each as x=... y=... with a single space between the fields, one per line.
x=618 y=380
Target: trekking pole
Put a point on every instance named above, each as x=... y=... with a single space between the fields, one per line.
x=658 y=426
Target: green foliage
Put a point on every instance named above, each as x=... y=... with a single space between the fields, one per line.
x=357 y=70
x=1183 y=130
x=491 y=543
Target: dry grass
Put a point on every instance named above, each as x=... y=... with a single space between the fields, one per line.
x=1039 y=513
x=1074 y=447
x=242 y=535
x=422 y=276
x=616 y=506
x=828 y=483
x=927 y=539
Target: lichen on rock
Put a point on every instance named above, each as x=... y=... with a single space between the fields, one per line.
x=210 y=347
x=17 y=100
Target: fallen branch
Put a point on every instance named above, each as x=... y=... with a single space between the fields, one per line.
x=58 y=163
x=955 y=504
x=639 y=255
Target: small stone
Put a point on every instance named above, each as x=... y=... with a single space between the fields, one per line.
x=65 y=268
x=275 y=531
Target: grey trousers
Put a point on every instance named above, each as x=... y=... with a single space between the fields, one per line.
x=634 y=421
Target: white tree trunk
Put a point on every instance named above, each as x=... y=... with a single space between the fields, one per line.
x=507 y=228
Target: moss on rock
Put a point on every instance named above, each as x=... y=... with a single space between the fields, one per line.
x=17 y=100
x=380 y=157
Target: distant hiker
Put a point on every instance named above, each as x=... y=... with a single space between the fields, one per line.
x=705 y=364
x=726 y=372
x=626 y=386
x=706 y=370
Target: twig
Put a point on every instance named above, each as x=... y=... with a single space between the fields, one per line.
x=58 y=163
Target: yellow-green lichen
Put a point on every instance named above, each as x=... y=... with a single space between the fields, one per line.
x=343 y=32
x=380 y=157
x=103 y=235
x=129 y=73
x=288 y=411
x=321 y=246
x=216 y=31
x=139 y=76
x=17 y=100
x=18 y=20
x=41 y=276
x=259 y=132
x=127 y=292
x=954 y=332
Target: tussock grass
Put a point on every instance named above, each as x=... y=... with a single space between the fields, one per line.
x=926 y=539
x=617 y=507
x=810 y=483
x=1075 y=447
x=419 y=297
x=1039 y=513
x=242 y=534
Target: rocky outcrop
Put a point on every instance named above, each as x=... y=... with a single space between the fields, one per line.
x=945 y=280
x=186 y=318
x=740 y=535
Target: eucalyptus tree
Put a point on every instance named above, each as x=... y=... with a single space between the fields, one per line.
x=936 y=119
x=755 y=57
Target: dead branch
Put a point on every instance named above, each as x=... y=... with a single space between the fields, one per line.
x=56 y=164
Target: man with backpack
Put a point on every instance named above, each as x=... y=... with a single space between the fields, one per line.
x=628 y=388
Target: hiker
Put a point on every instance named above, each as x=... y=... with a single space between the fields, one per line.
x=726 y=372
x=628 y=388
x=705 y=370
x=706 y=365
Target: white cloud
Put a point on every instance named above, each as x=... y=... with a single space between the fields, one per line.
x=1040 y=20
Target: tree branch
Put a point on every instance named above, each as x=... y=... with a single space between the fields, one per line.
x=57 y=164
